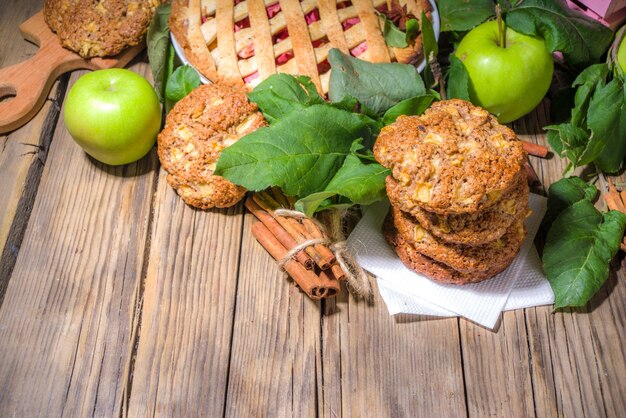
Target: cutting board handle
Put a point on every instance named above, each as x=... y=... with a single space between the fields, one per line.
x=30 y=81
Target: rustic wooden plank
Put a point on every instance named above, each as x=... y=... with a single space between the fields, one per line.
x=375 y=365
x=276 y=341
x=23 y=152
x=65 y=321
x=185 y=330
x=497 y=370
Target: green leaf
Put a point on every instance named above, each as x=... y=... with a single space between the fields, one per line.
x=572 y=142
x=300 y=153
x=581 y=39
x=358 y=182
x=578 y=250
x=183 y=80
x=158 y=41
x=280 y=94
x=565 y=193
x=462 y=15
x=457 y=86
x=412 y=30
x=376 y=86
x=606 y=118
x=431 y=49
x=413 y=106
x=393 y=36
x=587 y=81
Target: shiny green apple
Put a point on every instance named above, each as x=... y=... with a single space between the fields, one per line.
x=621 y=54
x=508 y=81
x=114 y=115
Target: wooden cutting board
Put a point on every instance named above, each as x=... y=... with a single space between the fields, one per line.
x=30 y=81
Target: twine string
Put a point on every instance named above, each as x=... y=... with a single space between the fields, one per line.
x=356 y=278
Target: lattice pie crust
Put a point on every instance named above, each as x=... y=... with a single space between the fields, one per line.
x=244 y=42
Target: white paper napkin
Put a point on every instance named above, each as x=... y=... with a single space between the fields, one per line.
x=521 y=285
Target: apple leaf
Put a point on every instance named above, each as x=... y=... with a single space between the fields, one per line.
x=572 y=142
x=300 y=153
x=181 y=82
x=581 y=39
x=431 y=49
x=463 y=15
x=158 y=41
x=578 y=249
x=564 y=193
x=280 y=94
x=360 y=183
x=458 y=80
x=606 y=118
x=377 y=87
x=586 y=82
x=393 y=36
x=413 y=106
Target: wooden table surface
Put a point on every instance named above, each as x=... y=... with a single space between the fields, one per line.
x=118 y=299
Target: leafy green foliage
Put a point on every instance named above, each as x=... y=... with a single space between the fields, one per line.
x=377 y=87
x=393 y=36
x=597 y=129
x=581 y=40
x=457 y=86
x=463 y=15
x=413 y=106
x=181 y=82
x=300 y=153
x=360 y=183
x=159 y=51
x=565 y=193
x=578 y=250
x=431 y=49
x=280 y=94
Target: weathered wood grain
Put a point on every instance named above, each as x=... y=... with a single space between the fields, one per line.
x=22 y=152
x=376 y=365
x=185 y=330
x=276 y=341
x=65 y=321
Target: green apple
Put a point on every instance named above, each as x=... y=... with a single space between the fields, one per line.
x=114 y=115
x=508 y=81
x=621 y=54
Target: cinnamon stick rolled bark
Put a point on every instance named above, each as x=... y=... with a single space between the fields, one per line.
x=316 y=287
x=532 y=175
x=535 y=149
x=279 y=232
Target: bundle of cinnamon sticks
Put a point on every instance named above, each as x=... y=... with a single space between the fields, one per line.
x=314 y=267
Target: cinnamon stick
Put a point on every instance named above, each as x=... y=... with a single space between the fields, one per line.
x=294 y=228
x=338 y=272
x=535 y=149
x=313 y=231
x=316 y=287
x=279 y=232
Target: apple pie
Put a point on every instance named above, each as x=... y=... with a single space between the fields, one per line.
x=244 y=42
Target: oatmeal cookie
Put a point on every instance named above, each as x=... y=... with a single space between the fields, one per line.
x=495 y=255
x=454 y=159
x=99 y=28
x=428 y=267
x=469 y=228
x=197 y=129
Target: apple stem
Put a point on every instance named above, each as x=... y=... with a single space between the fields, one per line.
x=501 y=29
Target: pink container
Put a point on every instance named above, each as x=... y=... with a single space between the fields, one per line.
x=610 y=12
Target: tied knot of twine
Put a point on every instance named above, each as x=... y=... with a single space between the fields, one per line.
x=356 y=278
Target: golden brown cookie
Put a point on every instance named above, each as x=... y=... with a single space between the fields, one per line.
x=469 y=228
x=428 y=267
x=99 y=28
x=197 y=129
x=495 y=255
x=455 y=158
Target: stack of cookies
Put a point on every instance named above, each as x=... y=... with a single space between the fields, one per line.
x=458 y=192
